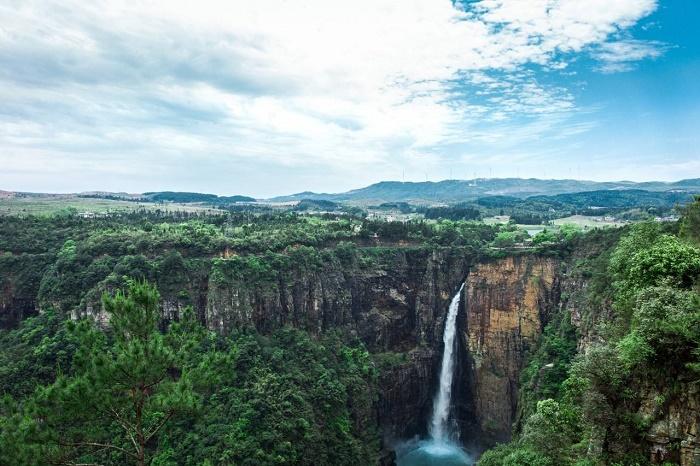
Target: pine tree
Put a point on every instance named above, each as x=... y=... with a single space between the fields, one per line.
x=125 y=387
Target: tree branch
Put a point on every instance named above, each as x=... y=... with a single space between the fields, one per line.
x=128 y=428
x=158 y=427
x=95 y=444
x=155 y=383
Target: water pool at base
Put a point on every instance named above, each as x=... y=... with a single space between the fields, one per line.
x=428 y=453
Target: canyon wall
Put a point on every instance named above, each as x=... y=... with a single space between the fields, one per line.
x=20 y=277
x=396 y=306
x=675 y=424
x=395 y=299
x=507 y=303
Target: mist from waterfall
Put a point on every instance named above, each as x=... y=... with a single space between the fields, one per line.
x=439 y=423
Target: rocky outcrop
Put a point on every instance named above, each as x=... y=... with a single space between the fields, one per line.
x=14 y=309
x=20 y=277
x=394 y=304
x=507 y=303
x=675 y=425
x=406 y=395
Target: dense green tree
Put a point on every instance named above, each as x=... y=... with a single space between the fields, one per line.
x=35 y=353
x=457 y=212
x=509 y=237
x=514 y=455
x=280 y=400
x=544 y=236
x=665 y=328
x=125 y=387
x=690 y=223
x=666 y=259
x=646 y=257
x=569 y=231
x=551 y=430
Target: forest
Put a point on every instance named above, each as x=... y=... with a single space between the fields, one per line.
x=98 y=366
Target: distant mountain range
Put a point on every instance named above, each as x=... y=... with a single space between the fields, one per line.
x=450 y=191
x=441 y=192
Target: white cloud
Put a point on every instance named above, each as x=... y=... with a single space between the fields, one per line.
x=623 y=55
x=343 y=84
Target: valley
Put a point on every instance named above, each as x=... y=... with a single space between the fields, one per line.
x=523 y=322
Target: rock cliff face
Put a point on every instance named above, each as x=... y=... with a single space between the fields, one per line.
x=675 y=427
x=20 y=276
x=14 y=309
x=395 y=300
x=399 y=306
x=396 y=306
x=507 y=303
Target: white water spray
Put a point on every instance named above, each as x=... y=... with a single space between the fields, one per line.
x=439 y=428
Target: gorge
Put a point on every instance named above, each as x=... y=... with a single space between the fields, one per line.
x=332 y=233
x=396 y=307
x=450 y=346
x=390 y=296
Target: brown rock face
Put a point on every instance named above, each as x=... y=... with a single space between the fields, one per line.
x=20 y=277
x=507 y=302
x=406 y=395
x=674 y=435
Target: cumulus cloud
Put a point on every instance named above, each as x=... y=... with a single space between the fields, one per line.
x=346 y=85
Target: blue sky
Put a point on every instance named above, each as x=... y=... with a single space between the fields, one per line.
x=273 y=97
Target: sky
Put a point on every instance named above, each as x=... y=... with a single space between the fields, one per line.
x=271 y=97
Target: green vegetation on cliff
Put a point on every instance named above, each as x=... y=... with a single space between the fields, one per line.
x=136 y=395
x=155 y=386
x=66 y=262
x=606 y=402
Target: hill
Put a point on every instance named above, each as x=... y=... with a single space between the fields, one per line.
x=449 y=191
x=619 y=199
x=186 y=197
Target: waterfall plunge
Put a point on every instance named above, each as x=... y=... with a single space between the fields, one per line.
x=440 y=450
x=439 y=428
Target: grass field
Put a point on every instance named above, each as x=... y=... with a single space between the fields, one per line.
x=498 y=219
x=47 y=205
x=581 y=221
x=588 y=222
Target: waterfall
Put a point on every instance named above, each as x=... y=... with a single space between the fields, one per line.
x=440 y=448
x=439 y=428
